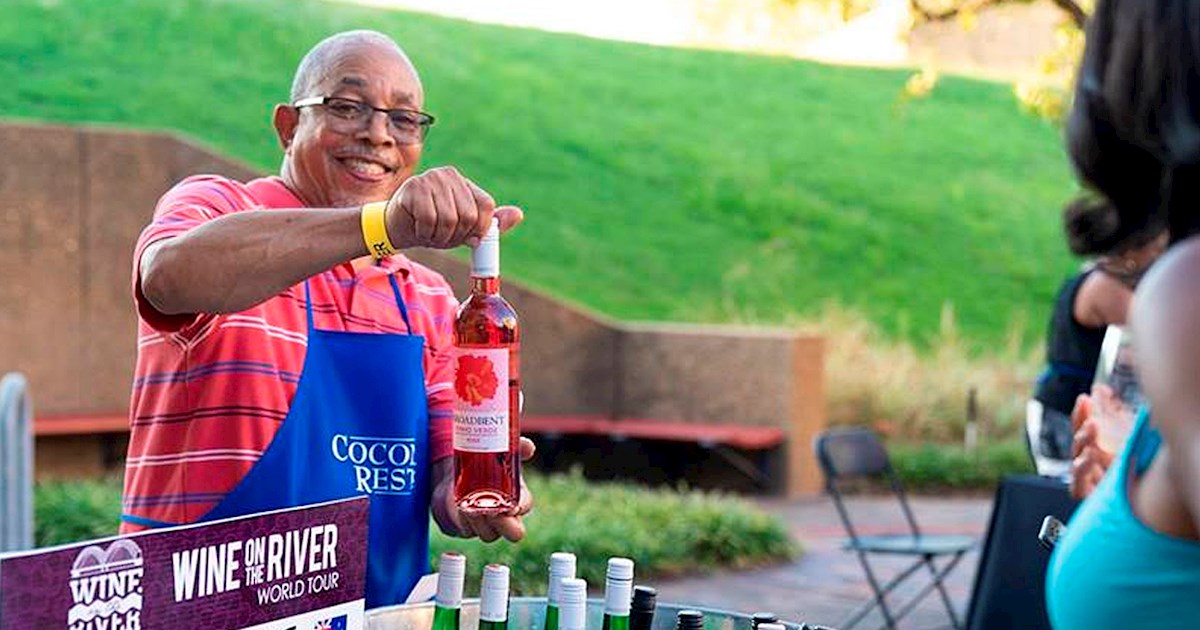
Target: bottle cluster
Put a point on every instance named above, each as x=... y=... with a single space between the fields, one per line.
x=626 y=607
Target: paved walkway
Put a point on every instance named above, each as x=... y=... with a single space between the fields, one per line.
x=826 y=584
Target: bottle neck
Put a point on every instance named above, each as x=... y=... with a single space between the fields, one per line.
x=551 y=616
x=445 y=617
x=615 y=622
x=485 y=257
x=485 y=285
x=617 y=595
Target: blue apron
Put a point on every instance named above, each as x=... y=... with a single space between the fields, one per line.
x=358 y=424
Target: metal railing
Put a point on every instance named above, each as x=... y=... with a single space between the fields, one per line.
x=16 y=464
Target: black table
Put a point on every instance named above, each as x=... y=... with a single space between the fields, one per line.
x=1010 y=584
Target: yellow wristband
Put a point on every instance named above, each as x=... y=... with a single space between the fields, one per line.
x=374 y=230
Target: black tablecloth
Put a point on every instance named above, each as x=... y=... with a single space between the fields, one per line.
x=1010 y=585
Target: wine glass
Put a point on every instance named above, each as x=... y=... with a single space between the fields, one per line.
x=1116 y=394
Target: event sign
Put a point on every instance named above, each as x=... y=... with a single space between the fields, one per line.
x=296 y=569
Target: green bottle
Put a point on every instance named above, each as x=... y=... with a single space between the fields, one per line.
x=618 y=593
x=452 y=567
x=493 y=598
x=573 y=601
x=562 y=565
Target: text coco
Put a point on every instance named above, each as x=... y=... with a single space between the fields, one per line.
x=381 y=465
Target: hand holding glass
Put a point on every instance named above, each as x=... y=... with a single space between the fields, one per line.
x=1116 y=395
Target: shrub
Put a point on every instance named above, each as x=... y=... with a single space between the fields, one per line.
x=946 y=466
x=664 y=531
x=69 y=511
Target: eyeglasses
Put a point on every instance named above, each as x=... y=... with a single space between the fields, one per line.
x=407 y=126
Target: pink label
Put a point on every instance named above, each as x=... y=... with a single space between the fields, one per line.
x=481 y=400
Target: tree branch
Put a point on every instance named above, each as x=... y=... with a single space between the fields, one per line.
x=1070 y=7
x=928 y=15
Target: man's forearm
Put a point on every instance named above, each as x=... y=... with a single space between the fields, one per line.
x=239 y=260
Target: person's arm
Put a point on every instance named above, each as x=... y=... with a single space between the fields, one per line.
x=238 y=260
x=1102 y=300
x=1166 y=329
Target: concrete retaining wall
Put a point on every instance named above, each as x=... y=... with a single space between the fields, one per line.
x=73 y=200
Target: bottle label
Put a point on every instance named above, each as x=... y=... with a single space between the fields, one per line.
x=481 y=400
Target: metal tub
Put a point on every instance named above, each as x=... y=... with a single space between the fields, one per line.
x=529 y=613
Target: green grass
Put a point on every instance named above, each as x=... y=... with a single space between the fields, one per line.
x=666 y=532
x=932 y=467
x=660 y=184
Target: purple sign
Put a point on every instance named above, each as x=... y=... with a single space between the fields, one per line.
x=301 y=568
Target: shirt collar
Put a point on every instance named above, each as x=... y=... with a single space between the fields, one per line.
x=390 y=264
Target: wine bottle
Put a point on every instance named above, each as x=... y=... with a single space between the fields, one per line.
x=487 y=382
x=493 y=598
x=641 y=612
x=618 y=587
x=761 y=618
x=572 y=604
x=689 y=620
x=452 y=567
x=562 y=565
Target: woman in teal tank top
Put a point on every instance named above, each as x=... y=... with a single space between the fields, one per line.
x=1131 y=554
x=1111 y=570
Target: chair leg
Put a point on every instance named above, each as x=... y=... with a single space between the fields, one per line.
x=880 y=595
x=936 y=582
x=941 y=587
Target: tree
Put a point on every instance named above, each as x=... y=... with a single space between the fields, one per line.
x=1049 y=94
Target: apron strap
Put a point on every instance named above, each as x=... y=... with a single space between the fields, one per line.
x=400 y=302
x=395 y=291
x=308 y=306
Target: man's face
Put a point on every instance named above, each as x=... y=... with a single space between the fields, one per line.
x=331 y=164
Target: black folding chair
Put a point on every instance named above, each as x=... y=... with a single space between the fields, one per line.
x=856 y=453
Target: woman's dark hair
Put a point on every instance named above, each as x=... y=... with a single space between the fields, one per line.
x=1134 y=128
x=1092 y=226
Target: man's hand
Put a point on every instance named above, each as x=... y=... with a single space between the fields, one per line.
x=490 y=528
x=441 y=208
x=1090 y=460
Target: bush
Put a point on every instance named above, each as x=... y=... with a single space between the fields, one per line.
x=947 y=466
x=69 y=511
x=664 y=531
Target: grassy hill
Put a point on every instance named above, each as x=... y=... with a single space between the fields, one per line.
x=658 y=183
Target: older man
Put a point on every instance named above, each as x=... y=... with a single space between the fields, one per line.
x=288 y=353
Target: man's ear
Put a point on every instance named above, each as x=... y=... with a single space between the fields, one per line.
x=286 y=119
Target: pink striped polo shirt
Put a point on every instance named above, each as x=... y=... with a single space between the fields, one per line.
x=210 y=391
